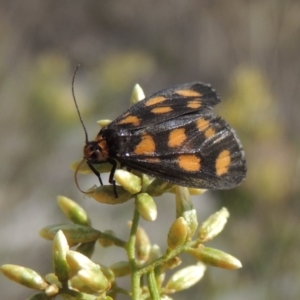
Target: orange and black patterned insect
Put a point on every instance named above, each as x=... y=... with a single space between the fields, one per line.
x=172 y=135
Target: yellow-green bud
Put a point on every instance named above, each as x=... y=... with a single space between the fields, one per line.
x=194 y=191
x=44 y=232
x=95 y=280
x=158 y=187
x=74 y=233
x=191 y=218
x=121 y=268
x=60 y=248
x=78 y=261
x=108 y=273
x=184 y=208
x=39 y=296
x=104 y=240
x=142 y=245
x=185 y=278
x=53 y=279
x=76 y=283
x=172 y=263
x=103 y=123
x=87 y=248
x=154 y=254
x=178 y=233
x=85 y=169
x=137 y=94
x=146 y=181
x=215 y=258
x=213 y=225
x=24 y=276
x=51 y=290
x=106 y=194
x=130 y=182
x=73 y=211
x=146 y=206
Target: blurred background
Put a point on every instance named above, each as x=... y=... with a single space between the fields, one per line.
x=248 y=50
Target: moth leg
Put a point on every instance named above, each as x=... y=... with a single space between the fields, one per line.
x=112 y=174
x=95 y=171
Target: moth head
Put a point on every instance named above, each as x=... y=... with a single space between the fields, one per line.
x=95 y=151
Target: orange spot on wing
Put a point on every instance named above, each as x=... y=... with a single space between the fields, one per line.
x=176 y=137
x=202 y=124
x=209 y=132
x=188 y=93
x=194 y=104
x=130 y=120
x=223 y=162
x=189 y=163
x=146 y=145
x=155 y=100
x=161 y=110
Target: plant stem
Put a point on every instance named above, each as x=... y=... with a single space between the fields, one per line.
x=135 y=277
x=152 y=284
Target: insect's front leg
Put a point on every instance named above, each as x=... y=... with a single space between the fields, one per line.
x=95 y=171
x=111 y=175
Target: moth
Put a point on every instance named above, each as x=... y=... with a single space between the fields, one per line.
x=173 y=135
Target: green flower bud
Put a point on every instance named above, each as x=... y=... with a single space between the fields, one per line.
x=137 y=94
x=178 y=233
x=104 y=240
x=73 y=211
x=194 y=191
x=142 y=245
x=44 y=232
x=215 y=258
x=78 y=261
x=24 y=276
x=155 y=253
x=146 y=181
x=53 y=279
x=95 y=280
x=108 y=273
x=146 y=206
x=77 y=284
x=185 y=209
x=85 y=169
x=158 y=187
x=213 y=225
x=185 y=278
x=39 y=296
x=106 y=194
x=59 y=249
x=51 y=290
x=103 y=123
x=86 y=249
x=172 y=263
x=130 y=182
x=121 y=268
x=74 y=233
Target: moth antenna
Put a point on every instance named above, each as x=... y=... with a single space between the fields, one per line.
x=76 y=105
x=76 y=181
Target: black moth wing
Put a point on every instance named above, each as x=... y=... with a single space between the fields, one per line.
x=167 y=104
x=173 y=135
x=198 y=149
